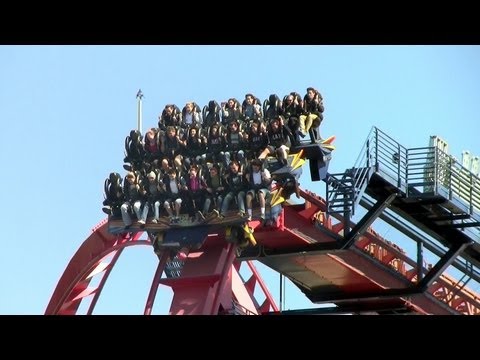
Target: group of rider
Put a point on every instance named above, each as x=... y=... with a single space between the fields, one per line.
x=202 y=160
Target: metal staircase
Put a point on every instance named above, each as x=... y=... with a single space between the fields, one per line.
x=340 y=194
x=344 y=191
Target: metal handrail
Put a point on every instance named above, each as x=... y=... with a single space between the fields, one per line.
x=423 y=169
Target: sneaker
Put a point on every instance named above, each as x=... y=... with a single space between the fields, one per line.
x=262 y=216
x=249 y=218
x=241 y=214
x=200 y=215
x=141 y=222
x=154 y=221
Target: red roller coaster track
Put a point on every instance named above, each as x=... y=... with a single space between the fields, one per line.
x=210 y=281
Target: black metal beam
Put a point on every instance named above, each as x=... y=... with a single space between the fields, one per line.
x=367 y=220
x=319 y=296
x=441 y=265
x=407 y=229
x=309 y=250
x=448 y=217
x=461 y=225
x=332 y=310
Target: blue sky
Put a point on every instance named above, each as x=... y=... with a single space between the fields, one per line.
x=66 y=110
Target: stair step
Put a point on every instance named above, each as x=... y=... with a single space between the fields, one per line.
x=340 y=207
x=337 y=212
x=340 y=201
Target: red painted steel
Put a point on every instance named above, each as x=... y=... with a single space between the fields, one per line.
x=205 y=282
x=72 y=287
x=100 y=251
x=155 y=282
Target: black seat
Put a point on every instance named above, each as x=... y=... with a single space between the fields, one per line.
x=211 y=114
x=134 y=149
x=272 y=107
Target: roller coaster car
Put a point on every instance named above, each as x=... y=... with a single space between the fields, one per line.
x=193 y=238
x=285 y=176
x=211 y=221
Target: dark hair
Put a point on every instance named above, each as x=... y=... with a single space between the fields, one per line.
x=257 y=162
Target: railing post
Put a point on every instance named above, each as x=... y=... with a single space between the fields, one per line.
x=406 y=172
x=450 y=178
x=435 y=170
x=346 y=219
x=368 y=152
x=399 y=179
x=470 y=193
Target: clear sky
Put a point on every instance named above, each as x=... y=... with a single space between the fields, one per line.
x=65 y=112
